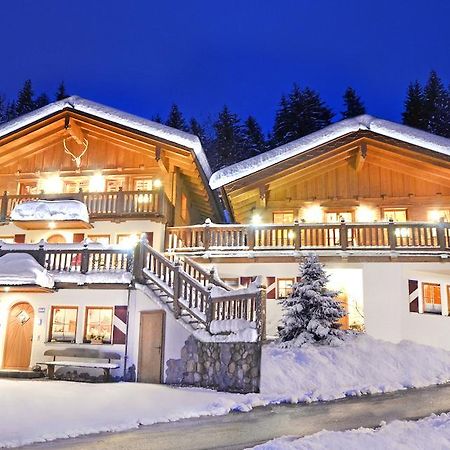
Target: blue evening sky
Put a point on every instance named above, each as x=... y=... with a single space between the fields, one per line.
x=140 y=56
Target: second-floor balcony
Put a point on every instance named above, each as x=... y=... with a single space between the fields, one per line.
x=117 y=206
x=344 y=239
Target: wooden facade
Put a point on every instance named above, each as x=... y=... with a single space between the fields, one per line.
x=128 y=160
x=360 y=170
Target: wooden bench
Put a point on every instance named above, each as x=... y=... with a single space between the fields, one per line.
x=102 y=360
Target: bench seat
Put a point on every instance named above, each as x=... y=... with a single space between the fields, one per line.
x=92 y=365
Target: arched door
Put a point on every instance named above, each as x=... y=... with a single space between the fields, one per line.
x=19 y=335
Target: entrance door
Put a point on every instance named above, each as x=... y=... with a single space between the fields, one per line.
x=19 y=336
x=151 y=341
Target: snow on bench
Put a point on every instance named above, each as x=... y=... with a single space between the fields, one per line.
x=82 y=353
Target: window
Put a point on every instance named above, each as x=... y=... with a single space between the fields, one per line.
x=397 y=214
x=73 y=186
x=7 y=239
x=232 y=282
x=283 y=218
x=143 y=184
x=435 y=215
x=431 y=294
x=284 y=287
x=98 y=326
x=28 y=188
x=103 y=239
x=127 y=240
x=184 y=207
x=63 y=323
x=336 y=217
x=113 y=184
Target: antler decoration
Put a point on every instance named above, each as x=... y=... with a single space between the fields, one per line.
x=76 y=159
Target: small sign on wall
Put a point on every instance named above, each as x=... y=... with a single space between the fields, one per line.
x=41 y=310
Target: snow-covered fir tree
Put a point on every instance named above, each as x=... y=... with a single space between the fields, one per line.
x=312 y=311
x=176 y=119
x=41 y=101
x=413 y=115
x=25 y=101
x=3 y=109
x=196 y=128
x=436 y=106
x=353 y=104
x=61 y=93
x=253 y=138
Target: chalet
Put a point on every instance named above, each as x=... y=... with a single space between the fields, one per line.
x=114 y=247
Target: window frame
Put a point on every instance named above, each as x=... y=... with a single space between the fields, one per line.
x=86 y=316
x=50 y=329
x=424 y=285
x=290 y=211
x=394 y=210
x=292 y=279
x=90 y=236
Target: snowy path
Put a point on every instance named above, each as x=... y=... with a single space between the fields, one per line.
x=238 y=431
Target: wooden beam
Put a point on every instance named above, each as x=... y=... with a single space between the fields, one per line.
x=161 y=160
x=74 y=130
x=360 y=157
x=263 y=195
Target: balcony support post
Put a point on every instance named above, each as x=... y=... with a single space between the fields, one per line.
x=4 y=207
x=440 y=233
x=391 y=235
x=343 y=236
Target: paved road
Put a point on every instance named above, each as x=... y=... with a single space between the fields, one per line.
x=241 y=430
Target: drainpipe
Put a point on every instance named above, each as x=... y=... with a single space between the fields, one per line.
x=125 y=357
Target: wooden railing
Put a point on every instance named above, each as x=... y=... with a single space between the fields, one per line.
x=75 y=259
x=189 y=286
x=417 y=236
x=101 y=205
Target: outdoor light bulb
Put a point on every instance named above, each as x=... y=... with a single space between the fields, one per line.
x=6 y=288
x=157 y=183
x=97 y=183
x=52 y=225
x=365 y=214
x=435 y=215
x=52 y=185
x=256 y=219
x=313 y=214
x=291 y=234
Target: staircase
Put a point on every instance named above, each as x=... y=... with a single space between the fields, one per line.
x=195 y=295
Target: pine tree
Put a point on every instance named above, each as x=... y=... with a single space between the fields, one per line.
x=25 y=101
x=311 y=312
x=253 y=138
x=436 y=104
x=41 y=101
x=176 y=119
x=156 y=118
x=61 y=93
x=302 y=113
x=3 y=109
x=196 y=128
x=353 y=104
x=413 y=115
x=228 y=140
x=11 y=112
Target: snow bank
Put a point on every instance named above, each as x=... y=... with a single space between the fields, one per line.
x=365 y=122
x=51 y=210
x=431 y=432
x=231 y=330
x=73 y=409
x=360 y=365
x=99 y=277
x=18 y=269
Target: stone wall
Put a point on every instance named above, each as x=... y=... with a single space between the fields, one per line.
x=230 y=366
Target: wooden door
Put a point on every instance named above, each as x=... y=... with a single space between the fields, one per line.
x=151 y=342
x=19 y=336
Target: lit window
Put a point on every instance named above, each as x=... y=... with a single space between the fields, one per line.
x=143 y=184
x=7 y=239
x=431 y=298
x=113 y=184
x=336 y=217
x=99 y=323
x=127 y=240
x=436 y=215
x=283 y=218
x=184 y=206
x=63 y=323
x=103 y=239
x=397 y=215
x=284 y=287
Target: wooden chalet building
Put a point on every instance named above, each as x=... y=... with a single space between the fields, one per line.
x=124 y=225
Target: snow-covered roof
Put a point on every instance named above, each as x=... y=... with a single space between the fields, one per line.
x=365 y=122
x=50 y=210
x=137 y=123
x=18 y=269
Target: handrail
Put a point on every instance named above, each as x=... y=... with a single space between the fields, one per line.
x=418 y=236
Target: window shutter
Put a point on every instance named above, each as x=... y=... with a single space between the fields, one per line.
x=119 y=324
x=413 y=290
x=271 y=293
x=149 y=235
x=19 y=238
x=78 y=237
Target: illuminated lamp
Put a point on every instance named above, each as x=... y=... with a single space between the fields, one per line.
x=291 y=234
x=52 y=184
x=97 y=183
x=313 y=213
x=435 y=215
x=256 y=219
x=6 y=289
x=157 y=184
x=365 y=214
x=52 y=225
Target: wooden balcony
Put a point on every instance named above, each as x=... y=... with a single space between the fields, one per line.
x=119 y=205
x=338 y=238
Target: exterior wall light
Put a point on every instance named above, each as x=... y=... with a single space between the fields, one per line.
x=52 y=184
x=313 y=213
x=365 y=214
x=256 y=219
x=435 y=215
x=157 y=183
x=52 y=225
x=97 y=183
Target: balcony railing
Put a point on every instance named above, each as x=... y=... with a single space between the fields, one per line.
x=103 y=205
x=213 y=238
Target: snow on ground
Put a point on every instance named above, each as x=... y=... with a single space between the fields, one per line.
x=58 y=409
x=431 y=432
x=50 y=210
x=23 y=269
x=360 y=365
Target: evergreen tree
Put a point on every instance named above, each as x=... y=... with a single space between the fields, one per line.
x=311 y=313
x=176 y=119
x=302 y=113
x=353 y=104
x=11 y=112
x=253 y=138
x=25 y=101
x=156 y=118
x=196 y=128
x=41 y=101
x=227 y=145
x=413 y=115
x=3 y=109
x=436 y=104
x=61 y=93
